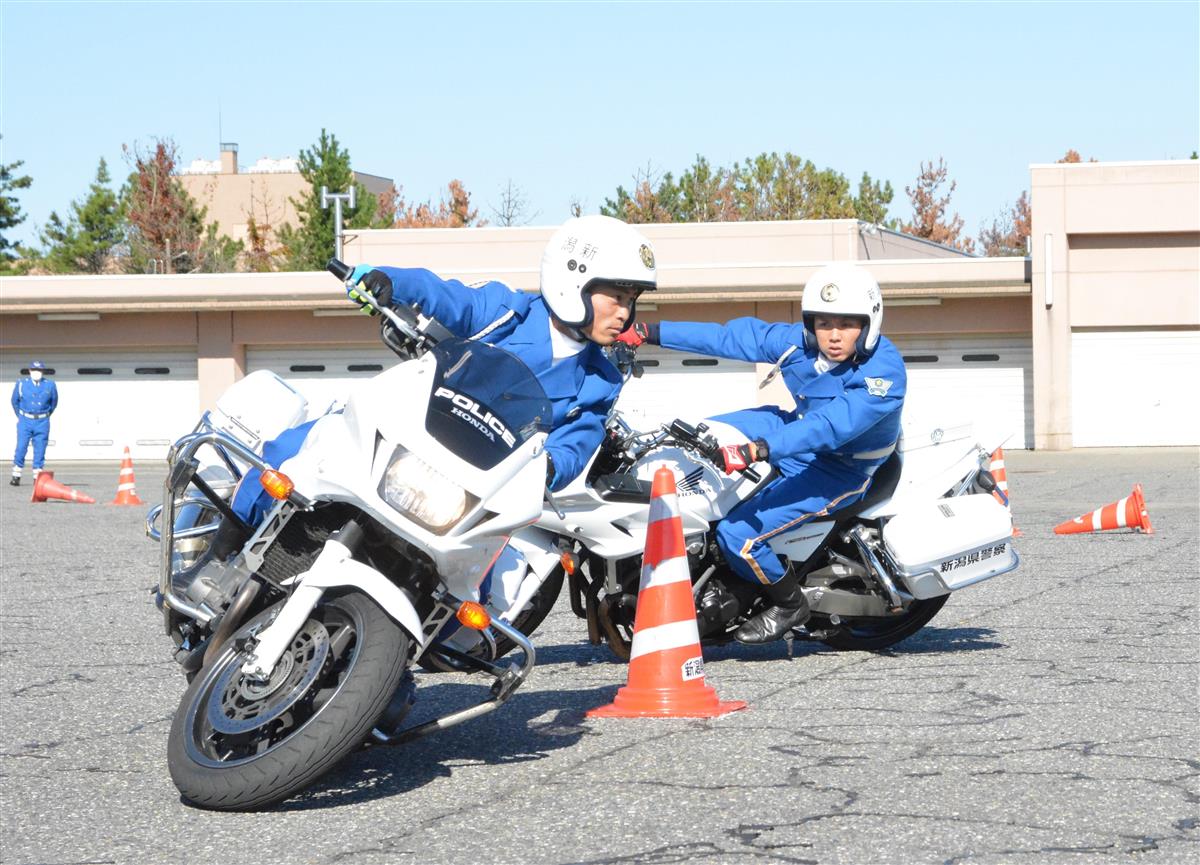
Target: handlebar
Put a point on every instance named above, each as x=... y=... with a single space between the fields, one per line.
x=403 y=330
x=339 y=269
x=708 y=446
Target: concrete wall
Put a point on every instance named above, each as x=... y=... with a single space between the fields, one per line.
x=1115 y=245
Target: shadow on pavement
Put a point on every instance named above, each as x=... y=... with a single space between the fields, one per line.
x=526 y=728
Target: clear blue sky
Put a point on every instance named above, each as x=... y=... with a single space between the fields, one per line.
x=570 y=99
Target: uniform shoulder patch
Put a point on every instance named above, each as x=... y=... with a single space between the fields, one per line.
x=877 y=386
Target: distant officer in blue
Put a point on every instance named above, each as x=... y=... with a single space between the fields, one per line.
x=34 y=399
x=849 y=383
x=593 y=270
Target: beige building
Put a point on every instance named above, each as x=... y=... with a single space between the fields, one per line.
x=263 y=190
x=1091 y=341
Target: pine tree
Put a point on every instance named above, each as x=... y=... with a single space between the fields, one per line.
x=86 y=242
x=764 y=187
x=706 y=195
x=655 y=198
x=872 y=202
x=310 y=245
x=10 y=211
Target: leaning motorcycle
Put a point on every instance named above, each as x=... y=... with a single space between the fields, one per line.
x=298 y=634
x=874 y=573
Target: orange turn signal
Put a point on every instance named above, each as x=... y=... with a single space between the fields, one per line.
x=277 y=484
x=473 y=615
x=569 y=562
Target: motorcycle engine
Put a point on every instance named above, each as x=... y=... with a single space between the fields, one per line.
x=717 y=608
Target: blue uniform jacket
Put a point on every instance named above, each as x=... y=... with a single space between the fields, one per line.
x=849 y=414
x=40 y=398
x=581 y=389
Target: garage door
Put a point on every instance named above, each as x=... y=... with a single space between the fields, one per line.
x=1134 y=388
x=985 y=379
x=677 y=384
x=107 y=401
x=323 y=375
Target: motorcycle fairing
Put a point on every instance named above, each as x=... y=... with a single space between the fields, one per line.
x=346 y=455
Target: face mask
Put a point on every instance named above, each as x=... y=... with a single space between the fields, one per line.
x=36 y=375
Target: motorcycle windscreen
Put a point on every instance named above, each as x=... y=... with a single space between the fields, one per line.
x=485 y=402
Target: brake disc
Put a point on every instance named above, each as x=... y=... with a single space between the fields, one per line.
x=241 y=704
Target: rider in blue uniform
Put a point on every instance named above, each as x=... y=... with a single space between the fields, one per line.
x=34 y=399
x=849 y=384
x=593 y=270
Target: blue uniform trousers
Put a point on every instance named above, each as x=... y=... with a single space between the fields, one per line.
x=250 y=501
x=37 y=431
x=808 y=487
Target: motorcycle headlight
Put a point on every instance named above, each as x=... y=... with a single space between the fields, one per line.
x=424 y=494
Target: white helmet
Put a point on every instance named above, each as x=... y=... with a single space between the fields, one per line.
x=843 y=288
x=589 y=250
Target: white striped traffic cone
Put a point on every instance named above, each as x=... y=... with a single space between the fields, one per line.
x=126 y=494
x=1127 y=513
x=666 y=666
x=1001 y=492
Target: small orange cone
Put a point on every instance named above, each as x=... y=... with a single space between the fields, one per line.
x=666 y=666
x=46 y=487
x=1001 y=492
x=1130 y=512
x=126 y=494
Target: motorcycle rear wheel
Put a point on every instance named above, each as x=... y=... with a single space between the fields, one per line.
x=869 y=635
x=238 y=745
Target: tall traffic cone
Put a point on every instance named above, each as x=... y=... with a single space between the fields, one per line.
x=46 y=487
x=666 y=666
x=1129 y=512
x=126 y=494
x=996 y=467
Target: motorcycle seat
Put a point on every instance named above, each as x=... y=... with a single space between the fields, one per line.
x=882 y=487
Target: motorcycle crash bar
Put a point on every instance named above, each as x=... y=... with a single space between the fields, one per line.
x=508 y=679
x=183 y=471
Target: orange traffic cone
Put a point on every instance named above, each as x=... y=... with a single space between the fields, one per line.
x=1130 y=512
x=126 y=494
x=46 y=487
x=996 y=467
x=666 y=667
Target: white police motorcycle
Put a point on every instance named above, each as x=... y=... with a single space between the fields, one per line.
x=873 y=573
x=298 y=635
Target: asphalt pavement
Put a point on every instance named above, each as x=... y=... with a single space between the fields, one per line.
x=1050 y=715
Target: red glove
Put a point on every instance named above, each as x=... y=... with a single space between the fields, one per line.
x=735 y=458
x=635 y=336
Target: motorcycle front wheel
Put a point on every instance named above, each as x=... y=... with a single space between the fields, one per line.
x=237 y=744
x=869 y=635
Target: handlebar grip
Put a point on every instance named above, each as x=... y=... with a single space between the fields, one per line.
x=339 y=269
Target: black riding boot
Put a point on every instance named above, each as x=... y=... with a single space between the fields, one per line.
x=789 y=610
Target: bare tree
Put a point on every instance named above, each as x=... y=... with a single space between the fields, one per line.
x=513 y=207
